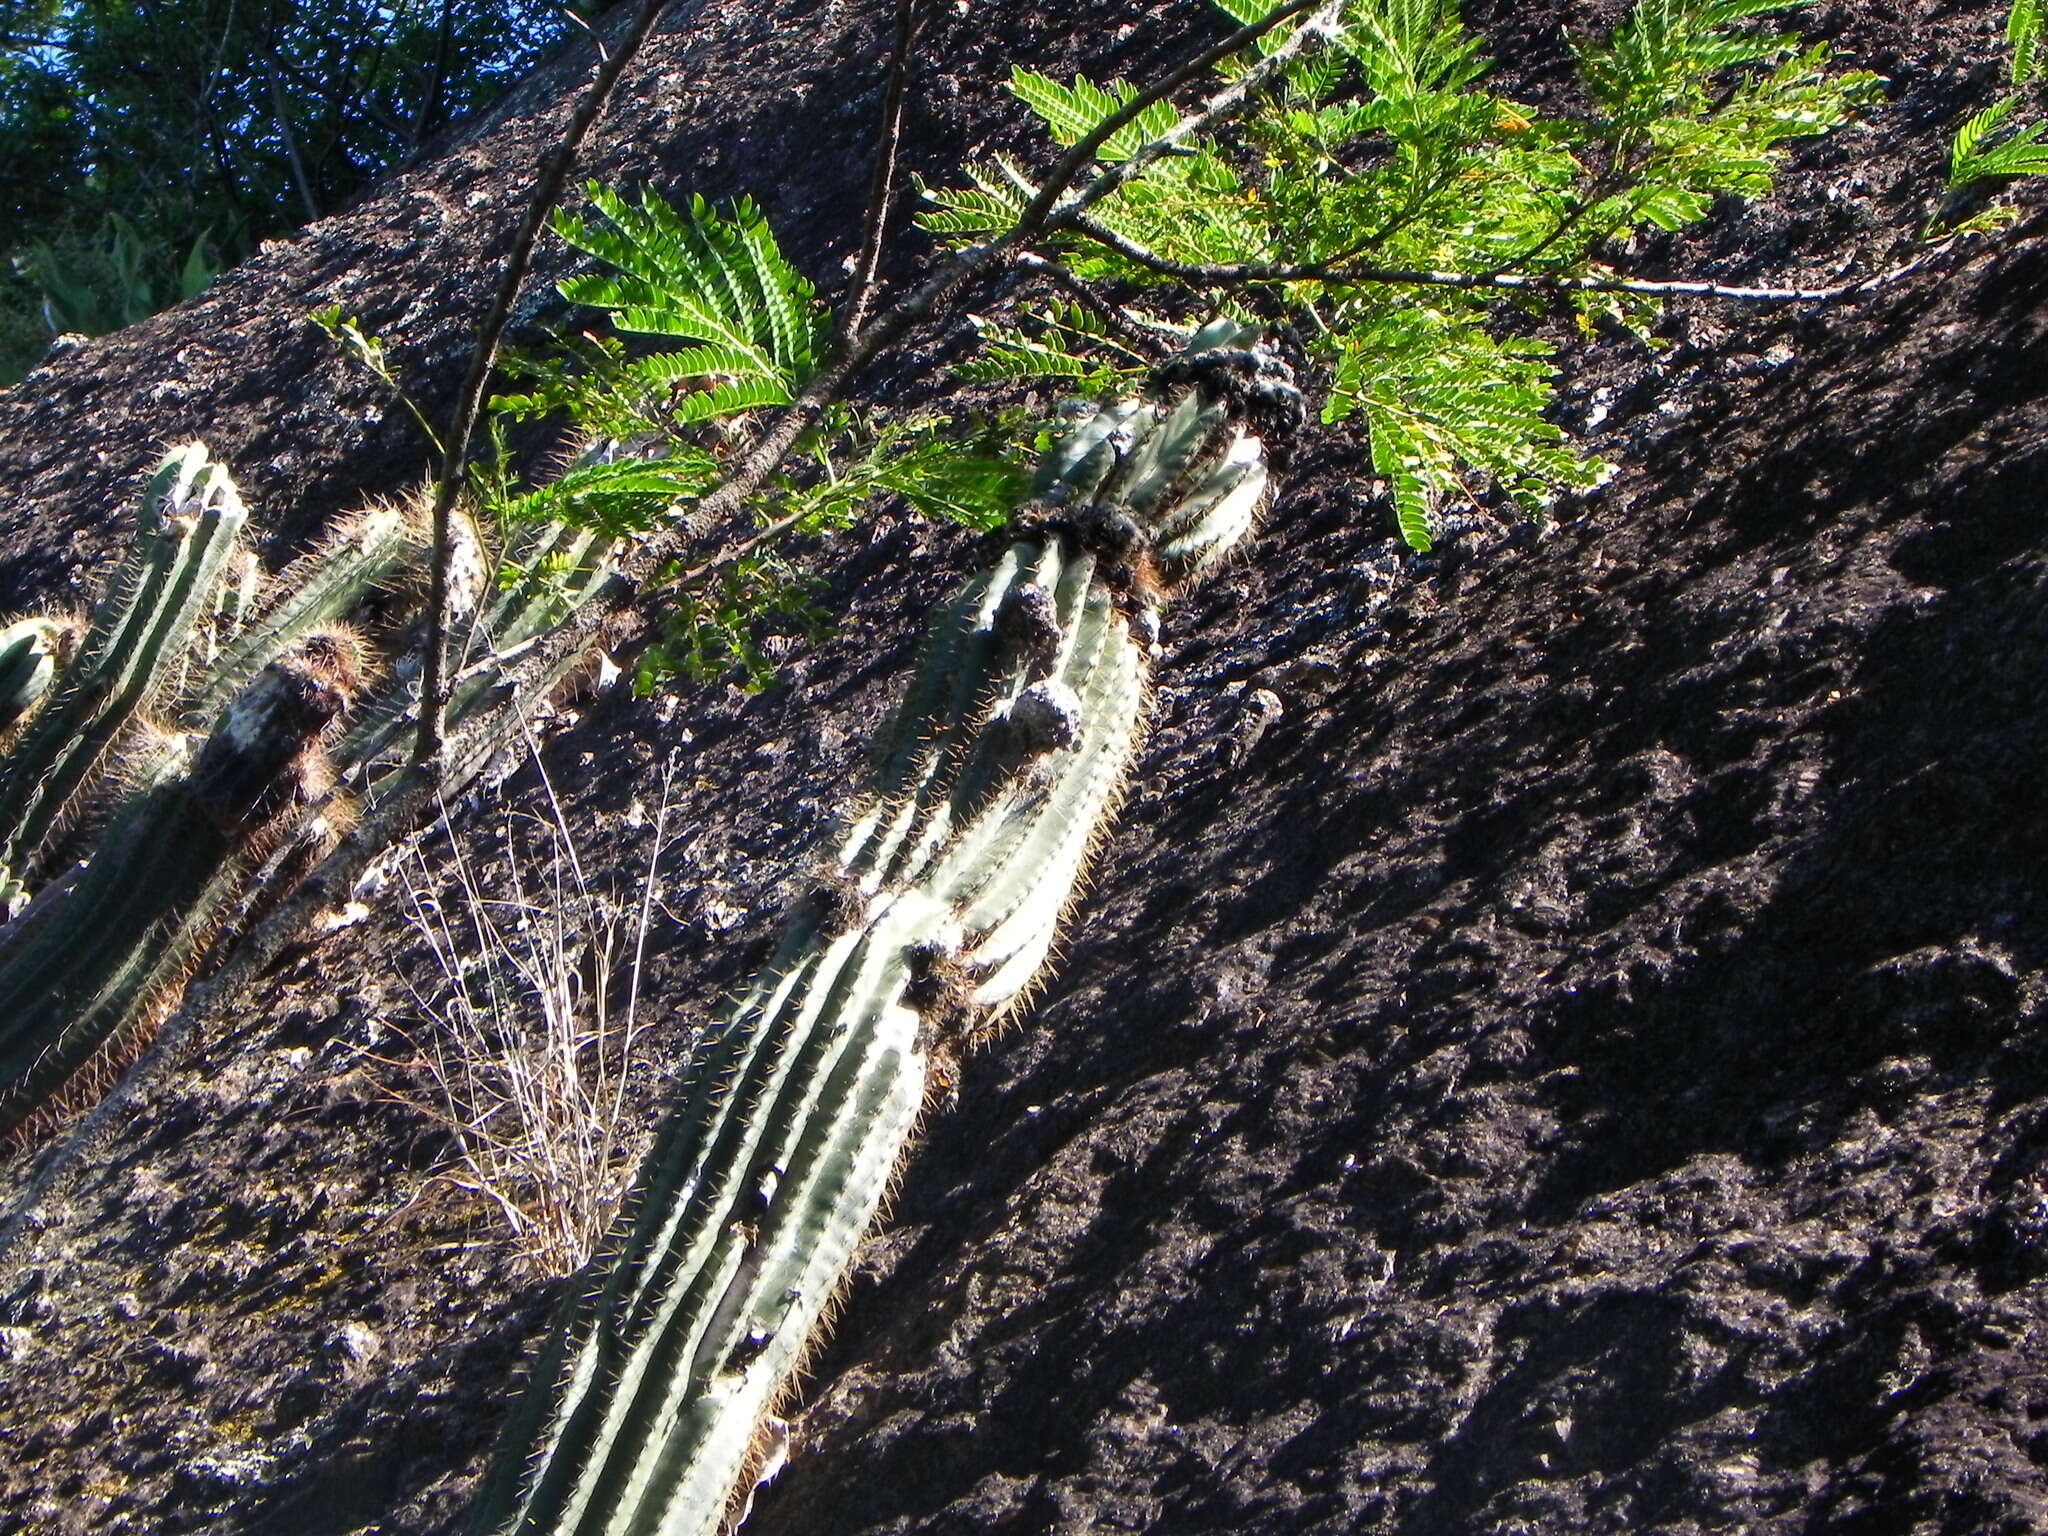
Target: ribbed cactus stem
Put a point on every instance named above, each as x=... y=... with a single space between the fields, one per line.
x=550 y=571
x=32 y=651
x=994 y=784
x=84 y=968
x=367 y=550
x=203 y=825
x=751 y=1203
x=191 y=519
x=91 y=954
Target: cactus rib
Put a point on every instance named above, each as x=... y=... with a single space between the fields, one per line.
x=81 y=971
x=191 y=521
x=318 y=589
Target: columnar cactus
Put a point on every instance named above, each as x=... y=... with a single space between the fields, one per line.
x=32 y=652
x=207 y=709
x=366 y=550
x=190 y=521
x=82 y=967
x=938 y=908
x=549 y=570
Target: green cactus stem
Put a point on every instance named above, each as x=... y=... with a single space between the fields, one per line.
x=749 y=1207
x=86 y=969
x=997 y=780
x=550 y=570
x=365 y=551
x=32 y=653
x=170 y=579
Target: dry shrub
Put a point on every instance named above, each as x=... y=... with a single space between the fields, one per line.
x=533 y=1017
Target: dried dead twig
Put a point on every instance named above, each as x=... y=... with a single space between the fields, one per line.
x=534 y=1016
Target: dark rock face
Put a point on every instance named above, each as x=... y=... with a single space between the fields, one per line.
x=1555 y=1046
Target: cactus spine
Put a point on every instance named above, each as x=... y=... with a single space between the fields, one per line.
x=191 y=818
x=82 y=966
x=190 y=521
x=998 y=777
x=368 y=549
x=32 y=652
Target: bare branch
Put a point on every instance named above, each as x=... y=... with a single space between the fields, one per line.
x=461 y=757
x=1232 y=274
x=1078 y=158
x=455 y=460
x=291 y=139
x=911 y=16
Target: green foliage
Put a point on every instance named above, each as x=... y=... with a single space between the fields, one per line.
x=1072 y=112
x=204 y=126
x=367 y=352
x=1385 y=151
x=1989 y=152
x=1441 y=398
x=753 y=336
x=713 y=628
x=940 y=470
x=1063 y=342
x=96 y=288
x=619 y=497
x=2023 y=29
x=717 y=281
x=1979 y=152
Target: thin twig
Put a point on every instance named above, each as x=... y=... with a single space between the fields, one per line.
x=469 y=401
x=293 y=159
x=1226 y=274
x=1134 y=333
x=1046 y=213
x=1078 y=158
x=910 y=19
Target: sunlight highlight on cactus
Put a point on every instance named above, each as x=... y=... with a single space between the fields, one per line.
x=937 y=910
x=183 y=734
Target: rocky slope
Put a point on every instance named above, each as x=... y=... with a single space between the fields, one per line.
x=1573 y=1068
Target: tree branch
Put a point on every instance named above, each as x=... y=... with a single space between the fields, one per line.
x=1230 y=274
x=291 y=139
x=455 y=460
x=1143 y=339
x=480 y=739
x=910 y=19
x=1041 y=213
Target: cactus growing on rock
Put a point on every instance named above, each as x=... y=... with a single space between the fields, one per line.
x=943 y=898
x=84 y=966
x=548 y=572
x=190 y=521
x=366 y=549
x=33 y=651
x=205 y=805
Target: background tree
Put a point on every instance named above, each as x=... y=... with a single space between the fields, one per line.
x=144 y=146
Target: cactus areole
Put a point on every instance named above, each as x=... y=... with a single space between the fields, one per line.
x=1003 y=767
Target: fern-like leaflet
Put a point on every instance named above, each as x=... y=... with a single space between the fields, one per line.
x=1978 y=154
x=1444 y=402
x=2023 y=28
x=753 y=336
x=715 y=280
x=1383 y=150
